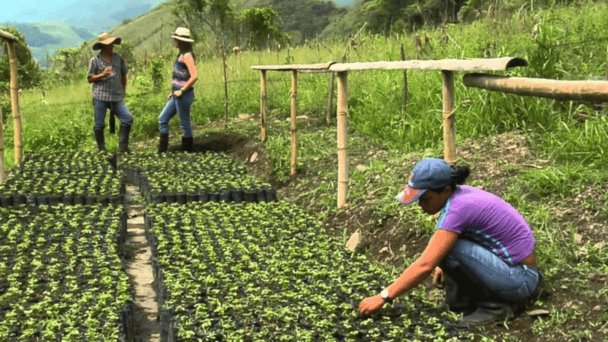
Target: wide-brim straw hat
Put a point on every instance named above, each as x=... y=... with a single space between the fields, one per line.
x=183 y=34
x=106 y=39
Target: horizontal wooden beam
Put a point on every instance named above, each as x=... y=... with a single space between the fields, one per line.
x=477 y=64
x=7 y=36
x=594 y=91
x=319 y=67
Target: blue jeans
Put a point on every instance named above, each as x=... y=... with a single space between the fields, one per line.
x=118 y=107
x=510 y=283
x=180 y=106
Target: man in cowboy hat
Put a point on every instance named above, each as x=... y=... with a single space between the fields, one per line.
x=108 y=74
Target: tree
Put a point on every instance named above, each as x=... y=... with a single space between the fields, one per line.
x=261 y=25
x=29 y=71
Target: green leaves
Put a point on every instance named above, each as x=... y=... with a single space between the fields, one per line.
x=267 y=271
x=52 y=286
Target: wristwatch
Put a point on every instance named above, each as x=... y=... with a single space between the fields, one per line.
x=386 y=297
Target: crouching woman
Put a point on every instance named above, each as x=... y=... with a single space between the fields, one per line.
x=482 y=247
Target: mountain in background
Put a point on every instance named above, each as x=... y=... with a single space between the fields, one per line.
x=94 y=16
x=45 y=38
x=52 y=25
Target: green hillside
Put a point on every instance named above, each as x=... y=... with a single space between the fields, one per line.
x=300 y=19
x=149 y=33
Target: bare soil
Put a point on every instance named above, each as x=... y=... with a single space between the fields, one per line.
x=139 y=269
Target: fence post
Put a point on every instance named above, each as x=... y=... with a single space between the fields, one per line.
x=293 y=128
x=449 y=126
x=405 y=98
x=330 y=98
x=2 y=174
x=14 y=91
x=342 y=137
x=263 y=106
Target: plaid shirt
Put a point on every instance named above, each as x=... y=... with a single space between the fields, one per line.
x=110 y=88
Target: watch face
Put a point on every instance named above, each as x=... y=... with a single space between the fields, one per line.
x=384 y=294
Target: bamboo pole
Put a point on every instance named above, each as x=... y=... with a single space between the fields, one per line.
x=405 y=98
x=293 y=127
x=263 y=106
x=342 y=137
x=595 y=91
x=14 y=91
x=449 y=126
x=330 y=98
x=2 y=174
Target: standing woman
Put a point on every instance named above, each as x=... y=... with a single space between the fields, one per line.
x=182 y=92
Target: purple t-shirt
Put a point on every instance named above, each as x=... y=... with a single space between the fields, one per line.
x=488 y=220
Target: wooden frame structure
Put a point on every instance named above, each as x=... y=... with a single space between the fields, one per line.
x=14 y=95
x=446 y=66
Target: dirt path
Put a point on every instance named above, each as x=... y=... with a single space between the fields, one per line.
x=139 y=269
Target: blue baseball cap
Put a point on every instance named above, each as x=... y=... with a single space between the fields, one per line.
x=429 y=173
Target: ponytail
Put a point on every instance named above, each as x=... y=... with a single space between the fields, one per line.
x=460 y=174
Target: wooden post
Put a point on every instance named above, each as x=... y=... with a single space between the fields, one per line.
x=225 y=78
x=449 y=127
x=263 y=107
x=330 y=98
x=14 y=91
x=606 y=78
x=342 y=137
x=293 y=128
x=2 y=174
x=404 y=104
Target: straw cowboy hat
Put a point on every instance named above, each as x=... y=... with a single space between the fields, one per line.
x=106 y=39
x=183 y=34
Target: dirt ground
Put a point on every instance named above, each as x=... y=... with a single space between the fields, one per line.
x=139 y=269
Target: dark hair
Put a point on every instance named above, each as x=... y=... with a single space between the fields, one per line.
x=184 y=47
x=459 y=176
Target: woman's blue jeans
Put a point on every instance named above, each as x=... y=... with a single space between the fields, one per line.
x=509 y=283
x=117 y=108
x=180 y=106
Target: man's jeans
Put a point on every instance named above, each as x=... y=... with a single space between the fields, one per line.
x=181 y=106
x=118 y=107
x=485 y=269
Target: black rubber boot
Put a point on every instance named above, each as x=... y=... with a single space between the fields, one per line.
x=163 y=144
x=488 y=312
x=187 y=144
x=99 y=138
x=458 y=297
x=463 y=290
x=123 y=139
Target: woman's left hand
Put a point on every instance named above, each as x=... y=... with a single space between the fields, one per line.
x=371 y=304
x=178 y=93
